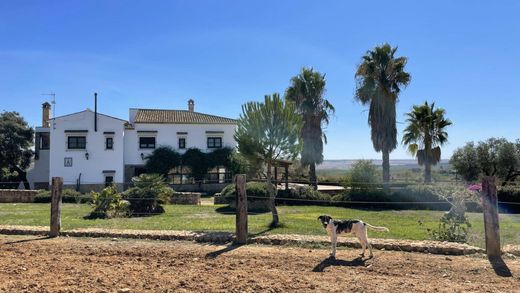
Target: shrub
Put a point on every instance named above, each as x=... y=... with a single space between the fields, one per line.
x=147 y=195
x=364 y=175
x=254 y=190
x=67 y=196
x=303 y=195
x=258 y=191
x=108 y=204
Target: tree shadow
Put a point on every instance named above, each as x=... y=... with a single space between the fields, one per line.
x=500 y=267
x=226 y=210
x=331 y=261
x=261 y=232
x=228 y=248
x=28 y=240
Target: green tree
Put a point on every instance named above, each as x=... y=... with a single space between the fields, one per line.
x=465 y=161
x=162 y=160
x=379 y=78
x=425 y=134
x=16 y=139
x=268 y=131
x=307 y=92
x=493 y=157
x=198 y=163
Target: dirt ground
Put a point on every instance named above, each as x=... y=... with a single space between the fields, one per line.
x=32 y=264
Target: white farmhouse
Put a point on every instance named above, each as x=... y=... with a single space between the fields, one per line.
x=90 y=149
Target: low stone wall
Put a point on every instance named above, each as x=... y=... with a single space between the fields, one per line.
x=188 y=198
x=253 y=205
x=17 y=196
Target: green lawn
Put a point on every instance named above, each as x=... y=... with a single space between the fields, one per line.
x=295 y=219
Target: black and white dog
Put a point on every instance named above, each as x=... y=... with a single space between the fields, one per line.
x=356 y=227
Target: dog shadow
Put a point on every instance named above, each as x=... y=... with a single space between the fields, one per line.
x=331 y=261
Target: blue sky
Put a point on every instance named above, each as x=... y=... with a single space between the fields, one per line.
x=464 y=55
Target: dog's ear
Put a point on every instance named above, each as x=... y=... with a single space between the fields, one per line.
x=319 y=218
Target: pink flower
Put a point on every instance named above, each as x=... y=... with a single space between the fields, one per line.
x=475 y=187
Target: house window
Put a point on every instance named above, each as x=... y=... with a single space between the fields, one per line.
x=109 y=143
x=182 y=143
x=44 y=141
x=214 y=142
x=76 y=142
x=109 y=180
x=147 y=142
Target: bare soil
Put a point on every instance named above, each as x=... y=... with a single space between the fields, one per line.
x=32 y=264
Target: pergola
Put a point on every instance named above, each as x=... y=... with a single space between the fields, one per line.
x=285 y=164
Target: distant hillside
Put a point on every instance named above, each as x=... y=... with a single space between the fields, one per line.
x=346 y=164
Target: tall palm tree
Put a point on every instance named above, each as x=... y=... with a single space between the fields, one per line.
x=307 y=92
x=379 y=78
x=425 y=134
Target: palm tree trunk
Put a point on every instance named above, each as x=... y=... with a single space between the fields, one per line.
x=386 y=166
x=271 y=190
x=427 y=172
x=312 y=176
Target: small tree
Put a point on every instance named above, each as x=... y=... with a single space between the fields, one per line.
x=16 y=139
x=108 y=204
x=268 y=131
x=162 y=160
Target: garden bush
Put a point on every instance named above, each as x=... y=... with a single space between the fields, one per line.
x=147 y=195
x=108 y=204
x=258 y=191
x=68 y=196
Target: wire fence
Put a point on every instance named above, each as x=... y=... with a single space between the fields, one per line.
x=300 y=206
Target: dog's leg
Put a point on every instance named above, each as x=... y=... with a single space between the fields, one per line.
x=362 y=242
x=364 y=235
x=333 y=240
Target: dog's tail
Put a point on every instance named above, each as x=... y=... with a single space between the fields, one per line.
x=375 y=228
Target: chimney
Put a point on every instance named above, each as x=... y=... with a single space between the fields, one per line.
x=46 y=112
x=191 y=105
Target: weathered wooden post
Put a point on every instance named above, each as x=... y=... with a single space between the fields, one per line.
x=57 y=186
x=491 y=223
x=241 y=209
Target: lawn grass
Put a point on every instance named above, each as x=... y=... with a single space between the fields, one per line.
x=295 y=219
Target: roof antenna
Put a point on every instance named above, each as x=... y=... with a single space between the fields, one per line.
x=53 y=102
x=95 y=112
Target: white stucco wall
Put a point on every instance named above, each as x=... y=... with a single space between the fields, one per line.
x=100 y=159
x=167 y=135
x=39 y=169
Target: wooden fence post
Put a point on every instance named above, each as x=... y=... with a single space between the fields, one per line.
x=491 y=222
x=57 y=186
x=241 y=209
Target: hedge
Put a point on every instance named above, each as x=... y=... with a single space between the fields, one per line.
x=68 y=196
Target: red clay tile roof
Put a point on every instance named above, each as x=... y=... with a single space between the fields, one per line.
x=179 y=117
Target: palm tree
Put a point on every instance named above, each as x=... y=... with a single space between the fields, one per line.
x=379 y=79
x=425 y=134
x=267 y=132
x=307 y=91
